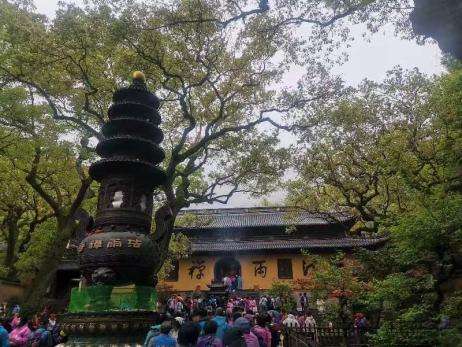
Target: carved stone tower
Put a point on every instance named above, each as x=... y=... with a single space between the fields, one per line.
x=119 y=249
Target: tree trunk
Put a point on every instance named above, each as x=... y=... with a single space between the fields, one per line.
x=165 y=221
x=11 y=244
x=12 y=228
x=37 y=290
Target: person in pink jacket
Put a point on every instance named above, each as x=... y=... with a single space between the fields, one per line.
x=15 y=321
x=261 y=331
x=19 y=337
x=229 y=307
x=244 y=326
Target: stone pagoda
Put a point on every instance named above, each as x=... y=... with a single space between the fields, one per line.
x=118 y=250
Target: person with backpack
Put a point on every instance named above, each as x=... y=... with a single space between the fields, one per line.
x=209 y=339
x=261 y=331
x=302 y=302
x=307 y=301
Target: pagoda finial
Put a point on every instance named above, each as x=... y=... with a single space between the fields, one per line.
x=138 y=80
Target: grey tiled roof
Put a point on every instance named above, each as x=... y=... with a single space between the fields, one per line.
x=255 y=217
x=272 y=244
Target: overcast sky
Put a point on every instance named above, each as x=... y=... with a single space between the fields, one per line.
x=366 y=60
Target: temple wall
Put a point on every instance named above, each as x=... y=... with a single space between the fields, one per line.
x=198 y=271
x=10 y=291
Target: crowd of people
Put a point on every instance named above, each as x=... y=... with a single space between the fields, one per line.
x=240 y=321
x=232 y=282
x=18 y=330
x=177 y=304
x=205 y=327
x=188 y=321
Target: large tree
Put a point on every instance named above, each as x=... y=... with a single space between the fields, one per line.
x=43 y=184
x=370 y=149
x=390 y=153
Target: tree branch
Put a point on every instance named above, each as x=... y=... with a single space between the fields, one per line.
x=57 y=115
x=31 y=178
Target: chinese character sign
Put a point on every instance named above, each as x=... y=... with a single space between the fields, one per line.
x=306 y=267
x=112 y=243
x=197 y=269
x=95 y=244
x=134 y=243
x=260 y=268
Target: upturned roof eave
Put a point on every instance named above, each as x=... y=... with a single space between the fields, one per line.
x=314 y=244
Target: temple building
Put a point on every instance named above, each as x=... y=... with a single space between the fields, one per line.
x=261 y=245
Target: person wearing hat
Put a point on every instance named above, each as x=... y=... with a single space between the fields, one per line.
x=244 y=325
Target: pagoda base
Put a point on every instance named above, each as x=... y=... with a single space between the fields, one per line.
x=118 y=328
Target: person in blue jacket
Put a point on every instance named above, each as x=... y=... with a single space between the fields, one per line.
x=163 y=339
x=4 y=341
x=220 y=319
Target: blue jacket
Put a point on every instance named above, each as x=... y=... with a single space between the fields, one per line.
x=202 y=325
x=222 y=326
x=4 y=340
x=163 y=340
x=153 y=332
